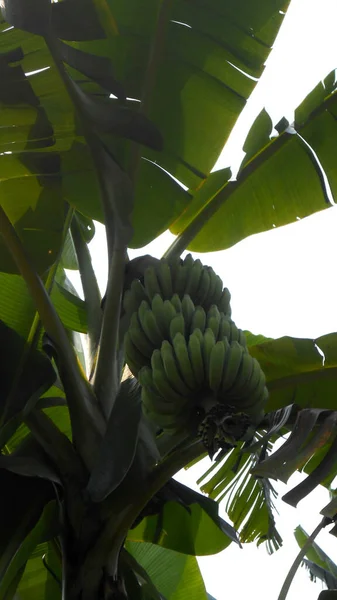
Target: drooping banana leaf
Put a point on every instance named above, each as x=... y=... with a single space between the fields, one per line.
x=318 y=563
x=191 y=66
x=280 y=182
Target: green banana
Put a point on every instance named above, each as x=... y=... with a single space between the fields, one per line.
x=156 y=403
x=162 y=382
x=139 y=338
x=177 y=325
x=213 y=311
x=215 y=299
x=145 y=377
x=256 y=377
x=188 y=309
x=199 y=335
x=149 y=325
x=212 y=286
x=165 y=279
x=256 y=392
x=180 y=280
x=255 y=407
x=195 y=354
x=225 y=328
x=214 y=320
x=171 y=424
x=183 y=359
x=235 y=332
x=134 y=358
x=188 y=261
x=193 y=279
x=172 y=371
x=162 y=421
x=242 y=339
x=169 y=314
x=143 y=307
x=216 y=363
x=157 y=306
x=202 y=292
x=130 y=303
x=240 y=386
x=175 y=300
x=134 y=296
x=151 y=283
x=209 y=342
x=224 y=303
x=198 y=320
x=213 y=324
x=231 y=366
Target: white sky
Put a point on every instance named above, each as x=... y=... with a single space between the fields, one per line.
x=283 y=282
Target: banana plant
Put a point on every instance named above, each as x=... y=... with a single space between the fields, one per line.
x=117 y=111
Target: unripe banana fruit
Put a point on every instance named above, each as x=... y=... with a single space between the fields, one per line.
x=186 y=374
x=172 y=276
x=162 y=319
x=190 y=358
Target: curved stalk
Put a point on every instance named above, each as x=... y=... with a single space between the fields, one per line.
x=35 y=330
x=293 y=569
x=87 y=421
x=183 y=240
x=106 y=377
x=91 y=291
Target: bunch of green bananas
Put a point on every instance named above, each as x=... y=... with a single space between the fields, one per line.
x=188 y=377
x=176 y=277
x=186 y=351
x=162 y=319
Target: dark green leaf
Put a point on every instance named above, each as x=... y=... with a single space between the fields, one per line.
x=326 y=468
x=297 y=373
x=119 y=443
x=175 y=528
x=46 y=528
x=24 y=372
x=21 y=15
x=176 y=576
x=22 y=501
x=29 y=459
x=37 y=215
x=188 y=497
x=42 y=575
x=285 y=165
x=330 y=510
x=109 y=117
x=97 y=68
x=68 y=257
x=199 y=71
x=315 y=554
x=317 y=572
x=70 y=308
x=259 y=135
x=306 y=437
x=57 y=447
x=143 y=588
x=249 y=501
x=87 y=227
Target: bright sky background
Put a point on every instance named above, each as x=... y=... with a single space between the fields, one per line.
x=283 y=282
